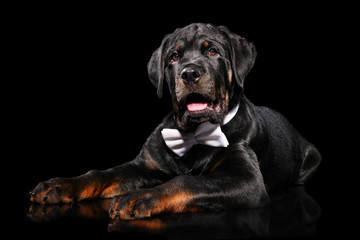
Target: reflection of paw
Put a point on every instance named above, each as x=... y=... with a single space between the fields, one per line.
x=136 y=204
x=44 y=213
x=53 y=191
x=95 y=209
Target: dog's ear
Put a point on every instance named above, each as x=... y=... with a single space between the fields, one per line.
x=156 y=68
x=242 y=54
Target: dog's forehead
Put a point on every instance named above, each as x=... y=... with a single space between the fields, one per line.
x=196 y=33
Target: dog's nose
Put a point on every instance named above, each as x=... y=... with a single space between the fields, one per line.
x=191 y=74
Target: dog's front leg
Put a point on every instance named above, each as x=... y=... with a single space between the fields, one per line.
x=233 y=182
x=188 y=194
x=97 y=184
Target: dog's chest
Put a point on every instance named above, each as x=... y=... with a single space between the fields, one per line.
x=197 y=161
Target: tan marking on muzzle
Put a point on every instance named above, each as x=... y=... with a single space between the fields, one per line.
x=230 y=76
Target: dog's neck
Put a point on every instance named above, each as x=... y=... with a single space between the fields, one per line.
x=230 y=115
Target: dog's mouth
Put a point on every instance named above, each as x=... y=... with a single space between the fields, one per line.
x=197 y=108
x=197 y=104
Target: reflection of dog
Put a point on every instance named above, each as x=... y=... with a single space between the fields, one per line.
x=293 y=213
x=216 y=150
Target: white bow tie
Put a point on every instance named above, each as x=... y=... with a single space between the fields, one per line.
x=206 y=133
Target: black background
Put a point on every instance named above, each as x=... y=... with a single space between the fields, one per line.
x=85 y=102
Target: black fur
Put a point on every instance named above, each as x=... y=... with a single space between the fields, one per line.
x=265 y=152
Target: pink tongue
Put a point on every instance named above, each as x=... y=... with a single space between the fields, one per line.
x=196 y=106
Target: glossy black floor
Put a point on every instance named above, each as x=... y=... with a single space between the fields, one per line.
x=293 y=213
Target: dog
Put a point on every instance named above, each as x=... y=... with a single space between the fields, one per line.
x=215 y=150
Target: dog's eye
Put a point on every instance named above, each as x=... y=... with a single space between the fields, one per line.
x=174 y=57
x=213 y=52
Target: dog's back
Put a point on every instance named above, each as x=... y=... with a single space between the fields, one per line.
x=285 y=157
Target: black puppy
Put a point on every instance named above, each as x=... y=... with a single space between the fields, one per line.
x=216 y=150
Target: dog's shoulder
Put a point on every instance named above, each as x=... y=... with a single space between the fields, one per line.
x=275 y=135
x=269 y=119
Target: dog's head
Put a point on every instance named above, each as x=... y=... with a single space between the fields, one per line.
x=204 y=67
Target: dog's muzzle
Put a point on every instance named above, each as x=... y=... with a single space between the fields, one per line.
x=191 y=74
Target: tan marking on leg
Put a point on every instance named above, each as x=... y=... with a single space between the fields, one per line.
x=90 y=191
x=175 y=203
x=112 y=190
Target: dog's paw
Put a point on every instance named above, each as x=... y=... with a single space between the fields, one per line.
x=146 y=203
x=136 y=204
x=52 y=191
